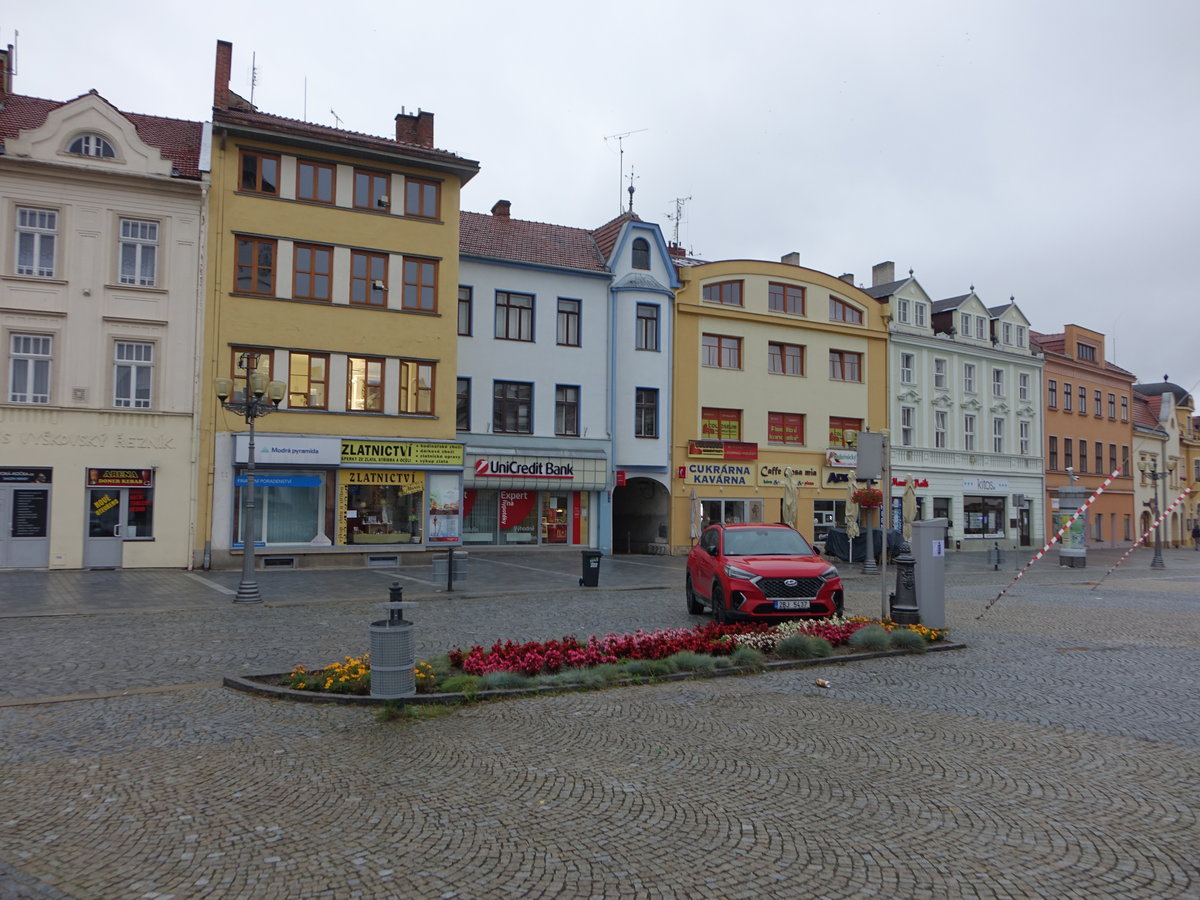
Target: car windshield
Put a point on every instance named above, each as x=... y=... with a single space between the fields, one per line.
x=765 y=542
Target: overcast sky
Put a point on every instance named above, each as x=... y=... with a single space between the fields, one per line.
x=1044 y=150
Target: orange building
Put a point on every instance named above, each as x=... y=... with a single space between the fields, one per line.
x=1088 y=431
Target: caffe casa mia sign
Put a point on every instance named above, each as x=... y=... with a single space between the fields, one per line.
x=523 y=468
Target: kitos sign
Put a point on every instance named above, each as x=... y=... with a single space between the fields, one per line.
x=719 y=473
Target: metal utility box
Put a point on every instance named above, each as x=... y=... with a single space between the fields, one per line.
x=929 y=551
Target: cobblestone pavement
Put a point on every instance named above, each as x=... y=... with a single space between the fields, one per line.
x=1055 y=757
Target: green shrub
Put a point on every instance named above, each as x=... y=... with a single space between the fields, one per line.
x=804 y=646
x=748 y=658
x=690 y=661
x=907 y=639
x=871 y=637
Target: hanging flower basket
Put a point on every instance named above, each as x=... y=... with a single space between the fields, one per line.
x=868 y=498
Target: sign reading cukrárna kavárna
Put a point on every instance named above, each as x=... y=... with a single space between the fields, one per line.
x=401 y=453
x=719 y=473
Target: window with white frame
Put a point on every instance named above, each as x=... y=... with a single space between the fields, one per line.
x=1020 y=335
x=997 y=382
x=1006 y=331
x=920 y=314
x=1023 y=386
x=139 y=252
x=902 y=310
x=907 y=364
x=92 y=145
x=133 y=374
x=981 y=328
x=969 y=432
x=1023 y=435
x=997 y=435
x=29 y=368
x=939 y=373
x=969 y=377
x=964 y=324
x=37 y=232
x=939 y=429
x=906 y=426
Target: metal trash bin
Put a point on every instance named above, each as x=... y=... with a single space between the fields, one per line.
x=440 y=562
x=591 y=568
x=393 y=651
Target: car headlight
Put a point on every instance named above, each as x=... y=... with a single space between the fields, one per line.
x=735 y=572
x=829 y=574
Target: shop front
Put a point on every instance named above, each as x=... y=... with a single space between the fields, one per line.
x=531 y=499
x=25 y=514
x=321 y=495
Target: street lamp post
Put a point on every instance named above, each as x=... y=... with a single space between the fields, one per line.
x=260 y=398
x=1150 y=470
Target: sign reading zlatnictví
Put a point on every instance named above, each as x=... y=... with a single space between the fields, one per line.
x=401 y=453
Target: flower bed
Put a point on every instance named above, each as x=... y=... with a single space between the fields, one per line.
x=568 y=660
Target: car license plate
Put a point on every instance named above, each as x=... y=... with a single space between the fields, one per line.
x=791 y=604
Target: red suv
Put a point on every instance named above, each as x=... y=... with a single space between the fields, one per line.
x=760 y=572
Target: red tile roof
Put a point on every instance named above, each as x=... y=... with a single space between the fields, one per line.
x=606 y=235
x=285 y=125
x=178 y=139
x=501 y=237
x=1143 y=415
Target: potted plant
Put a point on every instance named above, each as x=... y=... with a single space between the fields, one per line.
x=868 y=497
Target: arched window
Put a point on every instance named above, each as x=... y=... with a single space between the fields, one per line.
x=92 y=145
x=641 y=253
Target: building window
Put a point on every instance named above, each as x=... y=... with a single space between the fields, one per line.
x=133 y=374
x=1052 y=462
x=1020 y=335
x=647 y=326
x=416 y=387
x=921 y=314
x=245 y=360
x=939 y=429
x=368 y=278
x=721 y=351
x=984 y=516
x=1112 y=406
x=255 y=266
x=29 y=368
x=1083 y=455
x=1097 y=408
x=1069 y=453
x=969 y=432
x=371 y=190
x=902 y=311
x=364 y=384
x=964 y=324
x=785 y=428
x=843 y=432
x=37 y=233
x=422 y=198
x=1007 y=331
x=1086 y=352
x=785 y=298
x=907 y=366
x=969 y=377
x=568 y=322
x=845 y=366
x=640 y=254
x=997 y=382
x=841 y=311
x=645 y=406
x=92 y=145
x=312 y=272
x=420 y=284
x=1082 y=400
x=727 y=292
x=1124 y=409
x=315 y=181
x=1068 y=394
x=906 y=426
x=997 y=435
x=308 y=380
x=260 y=173
x=1023 y=387
x=566 y=410
x=1052 y=394
x=721 y=424
x=939 y=374
x=981 y=328
x=514 y=316
x=1099 y=450
x=466 y=303
x=1112 y=458
x=139 y=252
x=462 y=405
x=1023 y=437
x=512 y=407
x=785 y=359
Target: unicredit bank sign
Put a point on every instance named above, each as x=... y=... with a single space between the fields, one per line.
x=548 y=472
x=507 y=468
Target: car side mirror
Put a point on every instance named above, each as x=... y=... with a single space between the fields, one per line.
x=712 y=551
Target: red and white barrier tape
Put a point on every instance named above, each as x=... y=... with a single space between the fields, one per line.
x=1054 y=540
x=1166 y=512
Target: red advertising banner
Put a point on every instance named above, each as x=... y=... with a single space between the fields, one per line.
x=741 y=450
x=515 y=506
x=576 y=517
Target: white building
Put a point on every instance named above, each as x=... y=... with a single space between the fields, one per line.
x=965 y=413
x=98 y=321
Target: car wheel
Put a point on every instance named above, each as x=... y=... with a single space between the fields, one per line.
x=718 y=605
x=694 y=606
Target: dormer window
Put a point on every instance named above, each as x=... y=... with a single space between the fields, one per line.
x=92 y=145
x=641 y=253
x=920 y=311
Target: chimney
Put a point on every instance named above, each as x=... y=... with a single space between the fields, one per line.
x=221 y=76
x=847 y=277
x=6 y=67
x=884 y=273
x=416 y=129
x=502 y=208
x=792 y=259
x=675 y=251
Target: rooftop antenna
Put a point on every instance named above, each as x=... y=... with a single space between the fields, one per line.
x=253 y=75
x=677 y=218
x=620 y=138
x=336 y=117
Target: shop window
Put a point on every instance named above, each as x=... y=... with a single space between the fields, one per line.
x=984 y=516
x=480 y=512
x=555 y=522
x=518 y=517
x=730 y=512
x=381 y=507
x=289 y=507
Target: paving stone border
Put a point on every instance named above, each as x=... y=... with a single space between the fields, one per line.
x=268 y=686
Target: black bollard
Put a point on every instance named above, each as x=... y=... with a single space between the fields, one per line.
x=904 y=602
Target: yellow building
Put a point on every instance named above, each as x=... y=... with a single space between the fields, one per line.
x=333 y=268
x=777 y=367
